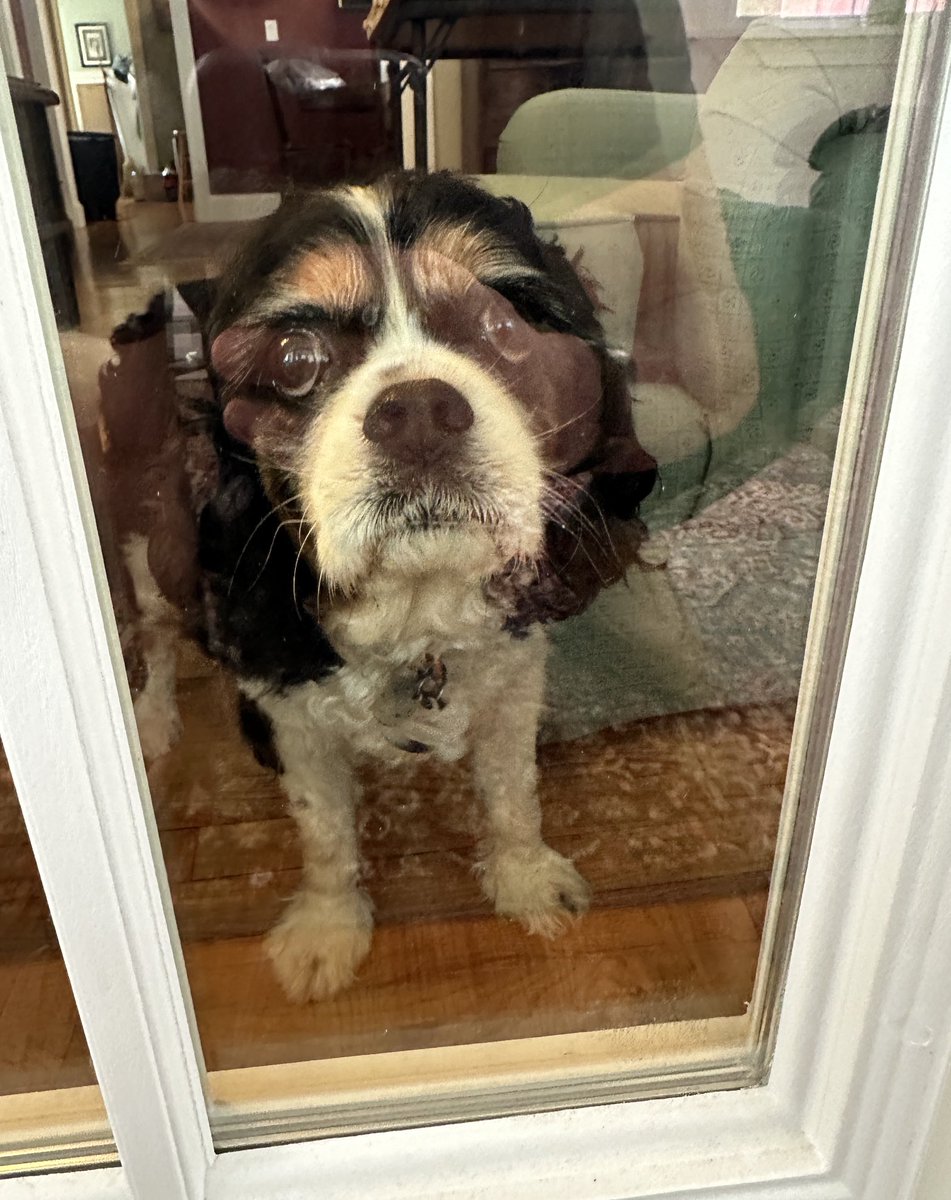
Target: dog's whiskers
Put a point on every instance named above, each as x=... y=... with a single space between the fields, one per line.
x=576 y=524
x=576 y=536
x=564 y=511
x=539 y=437
x=573 y=507
x=300 y=551
x=280 y=525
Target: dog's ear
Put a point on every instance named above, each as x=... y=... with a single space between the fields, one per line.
x=600 y=534
x=593 y=533
x=200 y=295
x=258 y=588
x=623 y=474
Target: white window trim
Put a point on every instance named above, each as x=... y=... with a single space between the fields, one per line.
x=65 y=734
x=864 y=1039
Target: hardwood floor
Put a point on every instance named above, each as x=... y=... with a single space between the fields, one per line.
x=673 y=821
x=438 y=983
x=679 y=877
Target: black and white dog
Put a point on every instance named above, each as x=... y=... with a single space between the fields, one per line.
x=425 y=454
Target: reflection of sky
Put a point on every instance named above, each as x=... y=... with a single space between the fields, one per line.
x=825 y=8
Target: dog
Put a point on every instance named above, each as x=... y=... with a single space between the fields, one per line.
x=425 y=455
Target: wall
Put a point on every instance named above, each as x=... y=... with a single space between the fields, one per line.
x=160 y=96
x=239 y=24
x=112 y=12
x=245 y=150
x=446 y=90
x=73 y=12
x=16 y=50
x=713 y=29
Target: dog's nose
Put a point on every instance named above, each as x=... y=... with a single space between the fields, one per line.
x=417 y=421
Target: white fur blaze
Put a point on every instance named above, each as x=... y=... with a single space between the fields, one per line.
x=339 y=473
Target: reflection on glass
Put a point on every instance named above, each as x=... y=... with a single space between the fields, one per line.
x=348 y=486
x=42 y=1047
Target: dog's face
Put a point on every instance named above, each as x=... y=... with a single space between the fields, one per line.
x=417 y=376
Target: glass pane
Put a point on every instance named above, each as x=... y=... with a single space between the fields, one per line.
x=462 y=527
x=51 y=1112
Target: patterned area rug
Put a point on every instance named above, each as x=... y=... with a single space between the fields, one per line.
x=678 y=807
x=721 y=623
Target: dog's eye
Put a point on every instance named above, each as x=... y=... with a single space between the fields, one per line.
x=504 y=329
x=296 y=361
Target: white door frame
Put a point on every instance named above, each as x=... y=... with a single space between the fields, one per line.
x=864 y=1038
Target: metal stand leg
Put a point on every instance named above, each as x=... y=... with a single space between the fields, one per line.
x=417 y=81
x=395 y=113
x=420 y=121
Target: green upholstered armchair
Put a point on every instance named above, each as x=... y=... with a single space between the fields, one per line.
x=771 y=176
x=727 y=235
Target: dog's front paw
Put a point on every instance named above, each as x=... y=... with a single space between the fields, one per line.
x=537 y=886
x=319 y=942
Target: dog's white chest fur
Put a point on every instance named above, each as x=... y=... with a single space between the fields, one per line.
x=373 y=705
x=386 y=638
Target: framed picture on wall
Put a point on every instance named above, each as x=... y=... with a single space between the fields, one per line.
x=94 y=48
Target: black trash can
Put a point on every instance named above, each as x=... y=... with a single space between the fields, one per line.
x=30 y=104
x=96 y=167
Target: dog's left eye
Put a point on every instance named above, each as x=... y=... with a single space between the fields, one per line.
x=296 y=362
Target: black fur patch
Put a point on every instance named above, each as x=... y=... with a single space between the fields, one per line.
x=257 y=586
x=258 y=730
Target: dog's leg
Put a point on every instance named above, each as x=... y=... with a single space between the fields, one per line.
x=325 y=931
x=522 y=876
x=156 y=707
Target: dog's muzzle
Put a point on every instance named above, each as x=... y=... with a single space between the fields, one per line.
x=418 y=423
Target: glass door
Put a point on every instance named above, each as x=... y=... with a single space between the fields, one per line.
x=467 y=556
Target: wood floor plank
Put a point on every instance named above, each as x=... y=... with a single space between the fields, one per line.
x=438 y=983
x=37 y=1025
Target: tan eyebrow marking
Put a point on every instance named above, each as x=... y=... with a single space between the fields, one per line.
x=434 y=275
x=473 y=249
x=336 y=278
